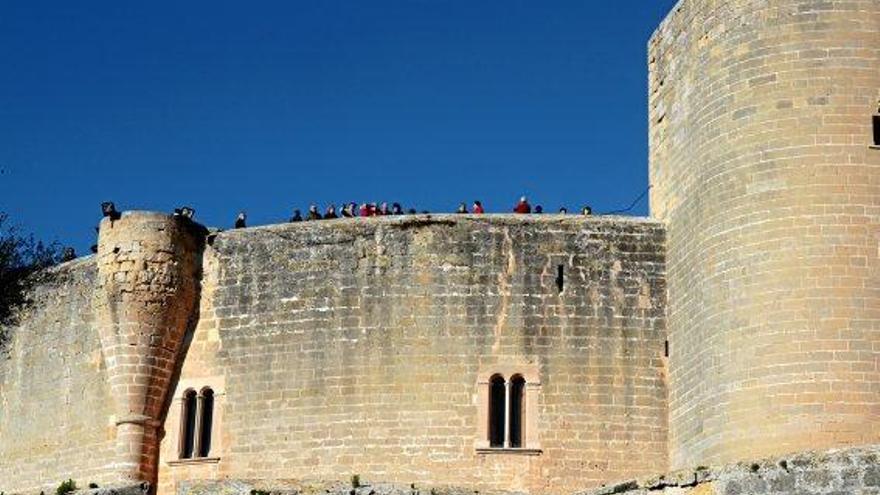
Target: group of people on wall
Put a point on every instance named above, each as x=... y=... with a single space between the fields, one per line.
x=353 y=210
x=349 y=210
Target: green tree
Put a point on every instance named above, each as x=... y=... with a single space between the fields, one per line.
x=23 y=263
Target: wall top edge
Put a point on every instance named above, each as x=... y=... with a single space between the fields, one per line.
x=451 y=219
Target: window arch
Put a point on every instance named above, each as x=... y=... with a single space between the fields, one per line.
x=517 y=406
x=188 y=424
x=497 y=411
x=206 y=420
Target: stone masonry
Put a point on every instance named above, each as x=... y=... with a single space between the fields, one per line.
x=853 y=471
x=764 y=173
x=740 y=322
x=149 y=267
x=357 y=347
x=350 y=347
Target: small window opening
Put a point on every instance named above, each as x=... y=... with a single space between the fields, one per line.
x=560 y=278
x=497 y=397
x=188 y=418
x=205 y=423
x=517 y=387
x=876 y=120
x=666 y=348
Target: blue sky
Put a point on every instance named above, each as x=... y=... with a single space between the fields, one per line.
x=267 y=106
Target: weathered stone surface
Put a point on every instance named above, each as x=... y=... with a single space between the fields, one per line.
x=319 y=487
x=55 y=402
x=355 y=346
x=142 y=488
x=760 y=161
x=352 y=347
x=149 y=267
x=845 y=471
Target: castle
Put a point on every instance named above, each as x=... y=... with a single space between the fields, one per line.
x=501 y=353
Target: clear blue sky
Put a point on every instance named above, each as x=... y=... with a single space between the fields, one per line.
x=266 y=106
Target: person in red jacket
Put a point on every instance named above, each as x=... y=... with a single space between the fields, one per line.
x=478 y=208
x=523 y=206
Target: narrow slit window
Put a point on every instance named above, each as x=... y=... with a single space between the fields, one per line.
x=517 y=403
x=560 y=278
x=206 y=422
x=876 y=120
x=497 y=398
x=188 y=426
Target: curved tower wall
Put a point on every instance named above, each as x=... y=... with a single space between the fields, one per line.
x=146 y=299
x=366 y=347
x=762 y=168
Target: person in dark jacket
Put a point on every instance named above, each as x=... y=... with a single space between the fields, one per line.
x=396 y=209
x=69 y=254
x=539 y=209
x=313 y=213
x=523 y=206
x=297 y=216
x=241 y=220
x=587 y=211
x=330 y=213
x=462 y=208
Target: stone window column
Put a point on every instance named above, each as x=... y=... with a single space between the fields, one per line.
x=507 y=386
x=197 y=441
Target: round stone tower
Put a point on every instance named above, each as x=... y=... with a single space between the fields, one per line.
x=148 y=269
x=764 y=168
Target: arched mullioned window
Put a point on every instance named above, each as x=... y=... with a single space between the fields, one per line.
x=506 y=412
x=197 y=420
x=188 y=424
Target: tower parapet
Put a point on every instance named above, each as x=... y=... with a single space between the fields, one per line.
x=148 y=284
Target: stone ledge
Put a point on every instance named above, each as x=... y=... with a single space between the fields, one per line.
x=425 y=219
x=193 y=461
x=508 y=451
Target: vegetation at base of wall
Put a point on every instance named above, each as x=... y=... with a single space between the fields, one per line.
x=66 y=487
x=23 y=263
x=355 y=481
x=259 y=492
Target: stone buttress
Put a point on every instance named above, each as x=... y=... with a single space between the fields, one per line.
x=148 y=285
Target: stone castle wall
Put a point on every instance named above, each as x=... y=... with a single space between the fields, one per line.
x=339 y=348
x=55 y=401
x=762 y=170
x=358 y=347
